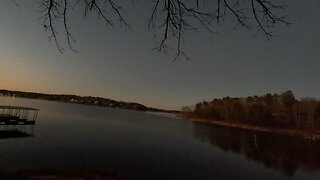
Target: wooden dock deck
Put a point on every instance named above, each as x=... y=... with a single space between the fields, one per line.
x=17 y=121
x=17 y=115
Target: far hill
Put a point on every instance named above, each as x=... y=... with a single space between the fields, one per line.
x=88 y=100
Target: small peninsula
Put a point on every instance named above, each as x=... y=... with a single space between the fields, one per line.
x=271 y=113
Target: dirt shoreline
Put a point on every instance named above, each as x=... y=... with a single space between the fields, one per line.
x=301 y=134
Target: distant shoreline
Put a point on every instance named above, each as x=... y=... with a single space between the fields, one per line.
x=301 y=134
x=86 y=100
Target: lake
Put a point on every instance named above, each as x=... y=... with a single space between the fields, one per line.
x=145 y=145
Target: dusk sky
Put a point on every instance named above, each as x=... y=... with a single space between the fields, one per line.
x=120 y=65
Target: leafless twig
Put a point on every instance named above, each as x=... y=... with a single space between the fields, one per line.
x=170 y=18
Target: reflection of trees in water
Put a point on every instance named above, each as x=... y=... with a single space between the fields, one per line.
x=277 y=152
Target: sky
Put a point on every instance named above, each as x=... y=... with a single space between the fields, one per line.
x=119 y=64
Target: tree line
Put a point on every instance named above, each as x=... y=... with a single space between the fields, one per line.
x=88 y=100
x=270 y=110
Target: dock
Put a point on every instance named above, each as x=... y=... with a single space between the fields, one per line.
x=18 y=118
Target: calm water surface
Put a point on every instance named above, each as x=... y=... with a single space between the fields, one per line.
x=150 y=146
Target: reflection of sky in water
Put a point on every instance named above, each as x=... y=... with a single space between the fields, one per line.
x=70 y=136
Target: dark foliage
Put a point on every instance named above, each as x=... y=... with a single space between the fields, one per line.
x=269 y=110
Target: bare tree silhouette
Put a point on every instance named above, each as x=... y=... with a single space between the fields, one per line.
x=170 y=19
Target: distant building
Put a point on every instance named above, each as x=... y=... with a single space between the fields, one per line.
x=73 y=100
x=99 y=103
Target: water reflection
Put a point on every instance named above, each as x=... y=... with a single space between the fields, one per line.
x=16 y=131
x=277 y=152
x=5 y=134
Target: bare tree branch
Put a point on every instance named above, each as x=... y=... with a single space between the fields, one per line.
x=54 y=10
x=169 y=18
x=51 y=8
